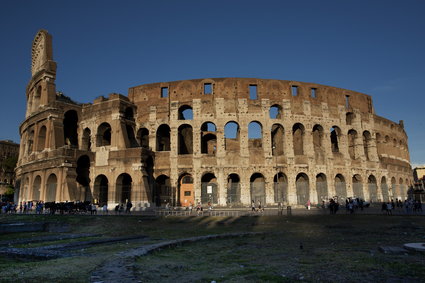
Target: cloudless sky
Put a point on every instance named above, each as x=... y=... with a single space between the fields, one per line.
x=100 y=46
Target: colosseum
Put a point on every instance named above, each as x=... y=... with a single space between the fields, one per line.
x=228 y=141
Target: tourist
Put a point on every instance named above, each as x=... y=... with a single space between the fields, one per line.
x=105 y=209
x=253 y=206
x=351 y=207
x=389 y=208
x=384 y=207
x=308 y=205
x=128 y=207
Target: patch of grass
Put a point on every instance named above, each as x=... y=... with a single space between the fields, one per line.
x=335 y=248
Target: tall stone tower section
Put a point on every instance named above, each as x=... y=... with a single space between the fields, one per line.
x=41 y=89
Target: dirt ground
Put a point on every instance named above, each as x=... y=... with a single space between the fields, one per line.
x=312 y=248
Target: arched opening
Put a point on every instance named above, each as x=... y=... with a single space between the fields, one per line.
x=340 y=187
x=373 y=188
x=352 y=136
x=143 y=137
x=280 y=185
x=70 y=125
x=100 y=190
x=149 y=179
x=349 y=118
x=358 y=187
x=132 y=142
x=26 y=189
x=51 y=185
x=298 y=138
x=303 y=189
x=185 y=145
x=162 y=191
x=231 y=136
x=30 y=143
x=186 y=192
x=185 y=112
x=322 y=187
x=233 y=190
x=401 y=189
x=255 y=135
x=319 y=151
x=163 y=138
x=103 y=137
x=208 y=138
x=275 y=112
x=258 y=188
x=123 y=188
x=209 y=188
x=384 y=189
x=41 y=142
x=86 y=142
x=393 y=191
x=335 y=134
x=36 y=186
x=366 y=144
x=83 y=173
x=278 y=141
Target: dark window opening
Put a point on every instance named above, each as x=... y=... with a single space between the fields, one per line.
x=277 y=133
x=334 y=139
x=163 y=138
x=83 y=170
x=143 y=137
x=294 y=90
x=164 y=91
x=123 y=188
x=86 y=139
x=298 y=139
x=347 y=101
x=253 y=92
x=185 y=139
x=208 y=89
x=104 y=135
x=70 y=125
x=128 y=113
x=187 y=193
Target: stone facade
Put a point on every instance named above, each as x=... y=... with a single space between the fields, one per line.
x=228 y=141
x=8 y=150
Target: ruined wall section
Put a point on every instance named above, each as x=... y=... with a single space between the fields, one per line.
x=312 y=106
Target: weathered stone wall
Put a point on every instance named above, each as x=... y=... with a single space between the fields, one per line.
x=228 y=141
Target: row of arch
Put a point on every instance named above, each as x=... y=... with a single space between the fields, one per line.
x=208 y=133
x=162 y=191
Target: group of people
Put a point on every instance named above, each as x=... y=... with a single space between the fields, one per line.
x=119 y=208
x=260 y=207
x=23 y=207
x=408 y=206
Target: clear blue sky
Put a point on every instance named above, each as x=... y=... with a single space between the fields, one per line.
x=374 y=47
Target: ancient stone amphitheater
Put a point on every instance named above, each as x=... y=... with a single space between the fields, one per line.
x=228 y=141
